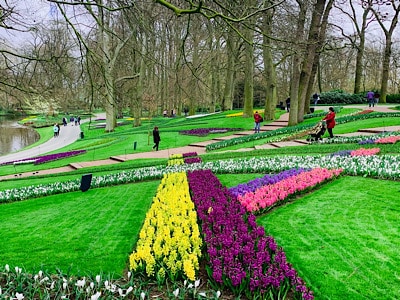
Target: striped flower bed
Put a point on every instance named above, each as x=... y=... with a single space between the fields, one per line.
x=268 y=196
x=253 y=185
x=239 y=254
x=169 y=242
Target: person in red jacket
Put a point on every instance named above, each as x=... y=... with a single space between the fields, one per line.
x=257 y=120
x=330 y=121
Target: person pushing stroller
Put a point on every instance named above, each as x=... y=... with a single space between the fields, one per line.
x=317 y=132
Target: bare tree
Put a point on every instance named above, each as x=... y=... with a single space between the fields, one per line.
x=383 y=17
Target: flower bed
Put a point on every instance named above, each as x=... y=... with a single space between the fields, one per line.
x=382 y=166
x=207 y=131
x=253 y=185
x=192 y=160
x=45 y=158
x=267 y=196
x=388 y=140
x=169 y=242
x=365 y=152
x=239 y=254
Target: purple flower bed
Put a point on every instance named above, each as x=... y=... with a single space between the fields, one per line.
x=206 y=131
x=192 y=160
x=253 y=185
x=365 y=142
x=239 y=254
x=189 y=154
x=46 y=158
x=341 y=153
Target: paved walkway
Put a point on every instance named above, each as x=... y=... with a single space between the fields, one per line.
x=72 y=134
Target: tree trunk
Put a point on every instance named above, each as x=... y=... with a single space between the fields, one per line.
x=269 y=68
x=248 y=74
x=312 y=43
x=227 y=100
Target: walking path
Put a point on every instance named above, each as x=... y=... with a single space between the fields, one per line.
x=70 y=134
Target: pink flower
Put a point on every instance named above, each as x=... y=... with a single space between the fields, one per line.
x=365 y=152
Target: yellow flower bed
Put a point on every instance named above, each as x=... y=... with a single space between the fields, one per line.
x=173 y=156
x=169 y=241
x=239 y=114
x=176 y=161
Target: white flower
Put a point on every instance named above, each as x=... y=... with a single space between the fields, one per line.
x=203 y=294
x=19 y=296
x=120 y=292
x=190 y=286
x=176 y=292
x=218 y=294
x=92 y=285
x=40 y=274
x=18 y=270
x=142 y=295
x=130 y=289
x=197 y=283
x=52 y=285
x=95 y=296
x=64 y=286
x=80 y=283
x=98 y=278
x=129 y=275
x=7 y=268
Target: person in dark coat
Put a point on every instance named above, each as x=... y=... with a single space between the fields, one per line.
x=156 y=138
x=330 y=121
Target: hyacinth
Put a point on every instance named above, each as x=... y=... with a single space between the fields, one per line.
x=189 y=154
x=365 y=152
x=239 y=254
x=341 y=153
x=252 y=185
x=388 y=140
x=269 y=195
x=175 y=156
x=45 y=158
x=169 y=240
x=176 y=161
x=192 y=160
x=367 y=141
x=206 y=131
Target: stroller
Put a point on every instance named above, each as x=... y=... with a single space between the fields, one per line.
x=316 y=133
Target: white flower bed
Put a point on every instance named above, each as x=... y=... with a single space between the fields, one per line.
x=380 y=166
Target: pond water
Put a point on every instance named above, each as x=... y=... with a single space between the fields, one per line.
x=14 y=137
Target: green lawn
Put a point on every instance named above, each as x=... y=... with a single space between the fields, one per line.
x=86 y=233
x=343 y=238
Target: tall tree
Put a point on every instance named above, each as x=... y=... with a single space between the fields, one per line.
x=383 y=18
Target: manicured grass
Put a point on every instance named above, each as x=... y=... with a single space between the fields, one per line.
x=86 y=233
x=344 y=238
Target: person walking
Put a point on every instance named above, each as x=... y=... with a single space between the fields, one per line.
x=330 y=121
x=156 y=138
x=55 y=130
x=376 y=98
x=315 y=98
x=257 y=120
x=371 y=99
x=288 y=104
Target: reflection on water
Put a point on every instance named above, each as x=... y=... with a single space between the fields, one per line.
x=14 y=137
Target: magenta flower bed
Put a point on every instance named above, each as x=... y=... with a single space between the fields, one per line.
x=268 y=196
x=46 y=158
x=207 y=131
x=239 y=254
x=192 y=160
x=253 y=185
x=189 y=154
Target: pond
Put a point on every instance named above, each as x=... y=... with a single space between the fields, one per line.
x=14 y=137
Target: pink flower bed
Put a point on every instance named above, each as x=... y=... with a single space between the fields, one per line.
x=269 y=195
x=388 y=140
x=365 y=152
